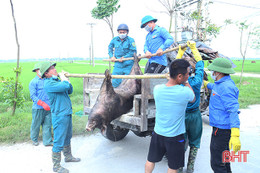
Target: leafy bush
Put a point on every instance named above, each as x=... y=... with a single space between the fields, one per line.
x=7 y=92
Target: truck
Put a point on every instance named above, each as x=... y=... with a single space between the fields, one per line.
x=141 y=119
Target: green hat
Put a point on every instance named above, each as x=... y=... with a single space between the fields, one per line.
x=36 y=67
x=221 y=65
x=44 y=67
x=146 y=19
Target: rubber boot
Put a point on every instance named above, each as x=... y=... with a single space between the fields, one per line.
x=191 y=159
x=180 y=170
x=68 y=155
x=56 y=158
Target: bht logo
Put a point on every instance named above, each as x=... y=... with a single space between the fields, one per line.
x=228 y=156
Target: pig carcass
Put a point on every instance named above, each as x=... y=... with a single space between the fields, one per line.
x=114 y=102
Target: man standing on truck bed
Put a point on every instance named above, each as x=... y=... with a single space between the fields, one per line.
x=193 y=120
x=157 y=40
x=120 y=47
x=171 y=100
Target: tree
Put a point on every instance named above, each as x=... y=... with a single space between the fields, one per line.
x=105 y=10
x=249 y=36
x=255 y=44
x=18 y=69
x=171 y=7
x=198 y=19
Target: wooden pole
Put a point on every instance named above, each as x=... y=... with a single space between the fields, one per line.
x=143 y=56
x=145 y=76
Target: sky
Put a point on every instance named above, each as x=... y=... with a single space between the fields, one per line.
x=58 y=28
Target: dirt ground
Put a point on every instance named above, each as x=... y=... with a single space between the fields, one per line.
x=100 y=155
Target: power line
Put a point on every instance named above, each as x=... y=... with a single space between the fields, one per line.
x=245 y=6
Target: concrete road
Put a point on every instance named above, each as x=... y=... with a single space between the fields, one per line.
x=100 y=155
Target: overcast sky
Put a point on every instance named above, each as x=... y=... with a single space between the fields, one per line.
x=58 y=28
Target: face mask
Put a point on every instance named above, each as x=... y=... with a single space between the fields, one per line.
x=55 y=77
x=148 y=28
x=122 y=36
x=212 y=75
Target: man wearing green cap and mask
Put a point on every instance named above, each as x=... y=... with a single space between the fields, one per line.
x=58 y=92
x=41 y=114
x=157 y=40
x=223 y=113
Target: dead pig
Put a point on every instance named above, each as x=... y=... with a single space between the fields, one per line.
x=114 y=102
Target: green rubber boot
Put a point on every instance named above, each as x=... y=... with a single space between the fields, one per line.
x=180 y=170
x=191 y=159
x=56 y=158
x=68 y=155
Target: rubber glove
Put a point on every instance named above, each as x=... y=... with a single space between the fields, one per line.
x=205 y=83
x=44 y=105
x=180 y=52
x=192 y=46
x=63 y=77
x=234 y=141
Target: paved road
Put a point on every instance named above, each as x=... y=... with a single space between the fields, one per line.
x=128 y=155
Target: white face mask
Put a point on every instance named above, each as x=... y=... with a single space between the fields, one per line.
x=212 y=75
x=122 y=36
x=55 y=77
x=148 y=28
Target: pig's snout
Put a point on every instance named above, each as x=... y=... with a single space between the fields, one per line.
x=90 y=126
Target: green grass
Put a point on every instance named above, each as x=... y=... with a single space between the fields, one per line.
x=17 y=128
x=249 y=67
x=248 y=91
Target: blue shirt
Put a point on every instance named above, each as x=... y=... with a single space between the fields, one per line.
x=223 y=105
x=58 y=93
x=171 y=103
x=158 y=38
x=196 y=82
x=37 y=93
x=122 y=48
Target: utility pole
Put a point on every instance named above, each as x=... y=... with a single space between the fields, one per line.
x=89 y=54
x=92 y=49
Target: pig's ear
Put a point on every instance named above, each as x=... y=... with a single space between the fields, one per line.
x=136 y=59
x=107 y=74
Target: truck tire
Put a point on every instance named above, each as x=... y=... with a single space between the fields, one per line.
x=115 y=134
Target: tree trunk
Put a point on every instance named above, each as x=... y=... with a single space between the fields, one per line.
x=198 y=21
x=175 y=17
x=243 y=54
x=170 y=28
x=18 y=59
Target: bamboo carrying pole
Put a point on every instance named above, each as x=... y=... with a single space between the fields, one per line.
x=143 y=56
x=145 y=76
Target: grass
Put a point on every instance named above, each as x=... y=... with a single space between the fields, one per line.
x=17 y=128
x=249 y=67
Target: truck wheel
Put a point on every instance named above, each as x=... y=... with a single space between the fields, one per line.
x=115 y=134
x=142 y=134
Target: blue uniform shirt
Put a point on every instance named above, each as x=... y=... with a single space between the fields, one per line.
x=125 y=48
x=171 y=103
x=37 y=93
x=58 y=93
x=196 y=82
x=158 y=38
x=223 y=105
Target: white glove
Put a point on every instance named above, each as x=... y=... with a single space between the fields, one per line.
x=63 y=77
